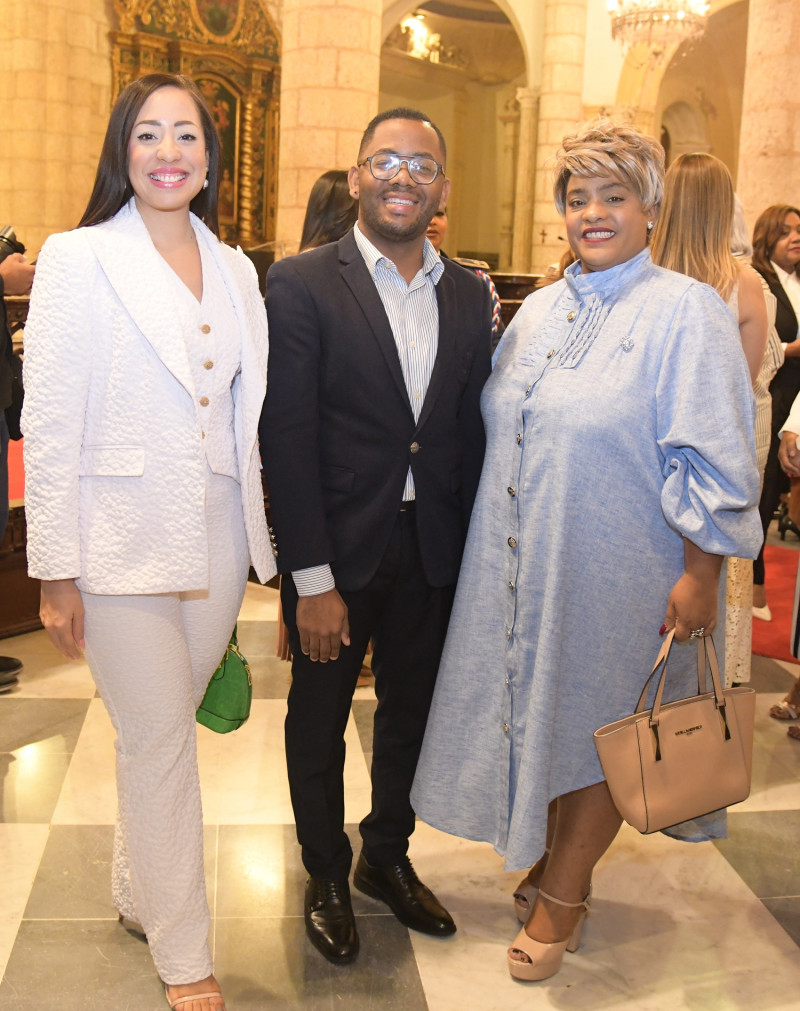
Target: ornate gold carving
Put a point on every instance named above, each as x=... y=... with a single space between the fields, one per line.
x=253 y=31
x=169 y=35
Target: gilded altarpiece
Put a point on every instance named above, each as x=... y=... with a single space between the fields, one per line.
x=231 y=49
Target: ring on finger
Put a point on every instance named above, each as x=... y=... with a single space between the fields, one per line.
x=697 y=633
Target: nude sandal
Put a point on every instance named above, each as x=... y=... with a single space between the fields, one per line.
x=784 y=710
x=525 y=895
x=179 y=1002
x=545 y=959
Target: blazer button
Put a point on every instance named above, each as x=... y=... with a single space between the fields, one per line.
x=571 y=316
x=204 y=401
x=208 y=365
x=512 y=542
x=512 y=491
x=414 y=447
x=205 y=328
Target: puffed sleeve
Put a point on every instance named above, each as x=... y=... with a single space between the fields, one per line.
x=705 y=425
x=56 y=375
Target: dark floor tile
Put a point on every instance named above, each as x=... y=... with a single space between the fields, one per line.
x=766 y=675
x=787 y=913
x=364 y=714
x=53 y=725
x=269 y=963
x=79 y=965
x=762 y=848
x=74 y=876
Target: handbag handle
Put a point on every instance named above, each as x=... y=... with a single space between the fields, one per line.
x=706 y=656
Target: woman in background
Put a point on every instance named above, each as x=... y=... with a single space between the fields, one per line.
x=612 y=488
x=330 y=211
x=145 y=371
x=700 y=246
x=776 y=255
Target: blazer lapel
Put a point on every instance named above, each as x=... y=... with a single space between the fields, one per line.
x=137 y=273
x=357 y=277
x=448 y=314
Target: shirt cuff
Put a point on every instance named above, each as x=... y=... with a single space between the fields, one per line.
x=317 y=579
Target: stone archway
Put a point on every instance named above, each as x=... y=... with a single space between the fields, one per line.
x=462 y=62
x=686 y=129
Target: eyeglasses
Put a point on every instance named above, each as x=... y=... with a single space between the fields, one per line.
x=387 y=166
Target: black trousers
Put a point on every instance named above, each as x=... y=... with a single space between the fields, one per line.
x=406 y=619
x=775 y=481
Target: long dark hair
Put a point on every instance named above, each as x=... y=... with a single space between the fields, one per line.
x=768 y=229
x=112 y=187
x=331 y=211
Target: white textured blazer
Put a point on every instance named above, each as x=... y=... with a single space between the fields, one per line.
x=114 y=461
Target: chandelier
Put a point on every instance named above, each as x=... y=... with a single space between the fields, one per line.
x=657 y=24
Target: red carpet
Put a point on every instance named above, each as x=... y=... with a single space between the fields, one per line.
x=771 y=638
x=16 y=475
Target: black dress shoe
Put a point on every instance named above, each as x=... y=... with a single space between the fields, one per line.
x=7 y=681
x=10 y=665
x=330 y=924
x=413 y=904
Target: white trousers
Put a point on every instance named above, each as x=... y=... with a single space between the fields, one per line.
x=151 y=657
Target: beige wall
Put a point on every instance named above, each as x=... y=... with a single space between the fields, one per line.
x=56 y=86
x=55 y=92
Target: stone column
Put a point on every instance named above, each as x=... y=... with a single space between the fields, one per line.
x=769 y=146
x=508 y=184
x=560 y=111
x=528 y=100
x=55 y=97
x=330 y=70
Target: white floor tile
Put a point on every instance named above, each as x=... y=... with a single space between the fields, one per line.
x=21 y=847
x=89 y=794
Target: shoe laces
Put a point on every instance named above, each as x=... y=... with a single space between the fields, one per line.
x=406 y=873
x=328 y=888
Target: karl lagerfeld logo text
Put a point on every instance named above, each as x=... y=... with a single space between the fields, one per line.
x=689 y=730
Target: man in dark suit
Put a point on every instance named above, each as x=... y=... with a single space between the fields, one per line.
x=372 y=443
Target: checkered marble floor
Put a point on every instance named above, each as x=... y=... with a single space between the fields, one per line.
x=673 y=925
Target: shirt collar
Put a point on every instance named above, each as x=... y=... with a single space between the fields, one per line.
x=431 y=262
x=783 y=276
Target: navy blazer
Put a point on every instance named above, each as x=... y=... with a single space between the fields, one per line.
x=337 y=431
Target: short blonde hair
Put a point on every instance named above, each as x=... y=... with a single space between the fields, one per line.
x=605 y=148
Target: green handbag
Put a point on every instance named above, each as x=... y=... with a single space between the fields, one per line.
x=226 y=703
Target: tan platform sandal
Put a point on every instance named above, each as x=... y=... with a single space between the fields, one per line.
x=178 y=1003
x=525 y=894
x=544 y=960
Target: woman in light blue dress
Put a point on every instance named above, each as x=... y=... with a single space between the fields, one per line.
x=619 y=472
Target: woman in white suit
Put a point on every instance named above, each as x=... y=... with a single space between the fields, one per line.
x=145 y=371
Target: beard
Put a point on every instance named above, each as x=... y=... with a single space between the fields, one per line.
x=395 y=231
